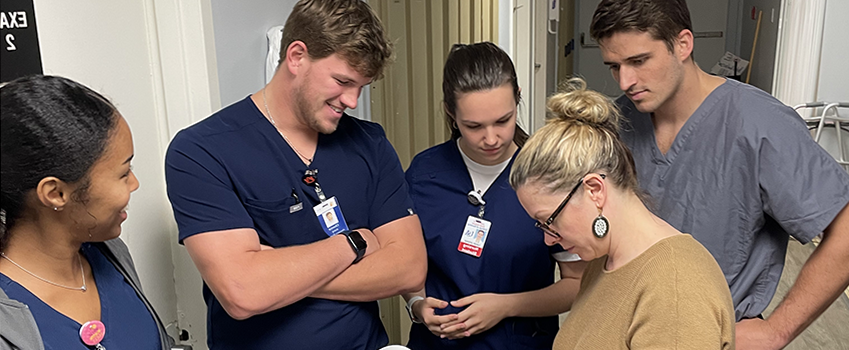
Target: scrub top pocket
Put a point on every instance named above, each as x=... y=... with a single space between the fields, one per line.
x=273 y=217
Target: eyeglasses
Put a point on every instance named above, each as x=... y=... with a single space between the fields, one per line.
x=546 y=226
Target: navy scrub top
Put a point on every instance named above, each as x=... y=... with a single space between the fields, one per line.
x=129 y=325
x=234 y=170
x=514 y=258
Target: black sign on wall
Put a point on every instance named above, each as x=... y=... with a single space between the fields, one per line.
x=20 y=54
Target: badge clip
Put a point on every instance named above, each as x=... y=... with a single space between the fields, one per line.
x=310 y=177
x=475 y=198
x=92 y=333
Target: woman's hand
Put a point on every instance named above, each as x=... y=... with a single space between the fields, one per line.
x=424 y=311
x=484 y=311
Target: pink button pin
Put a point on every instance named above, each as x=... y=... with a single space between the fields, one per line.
x=92 y=332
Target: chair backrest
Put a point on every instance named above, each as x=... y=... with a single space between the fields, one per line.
x=830 y=129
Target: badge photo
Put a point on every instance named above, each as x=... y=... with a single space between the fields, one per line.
x=330 y=217
x=474 y=236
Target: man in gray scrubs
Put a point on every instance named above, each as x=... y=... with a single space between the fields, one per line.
x=730 y=165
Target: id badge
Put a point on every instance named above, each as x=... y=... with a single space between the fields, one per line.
x=474 y=236
x=329 y=214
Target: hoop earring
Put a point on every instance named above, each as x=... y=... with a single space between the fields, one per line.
x=455 y=125
x=600 y=225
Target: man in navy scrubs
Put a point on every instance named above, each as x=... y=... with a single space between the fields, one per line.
x=296 y=214
x=729 y=164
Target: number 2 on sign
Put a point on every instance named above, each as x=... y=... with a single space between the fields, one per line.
x=9 y=40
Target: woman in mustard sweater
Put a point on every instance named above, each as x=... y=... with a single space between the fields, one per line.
x=647 y=285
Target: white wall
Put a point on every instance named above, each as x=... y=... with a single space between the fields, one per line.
x=505 y=26
x=733 y=25
x=106 y=46
x=522 y=53
x=240 y=45
x=834 y=77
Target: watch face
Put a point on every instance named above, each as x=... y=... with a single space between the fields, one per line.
x=358 y=240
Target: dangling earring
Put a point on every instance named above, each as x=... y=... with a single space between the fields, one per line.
x=600 y=225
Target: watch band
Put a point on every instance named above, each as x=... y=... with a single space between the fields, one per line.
x=358 y=244
x=410 y=304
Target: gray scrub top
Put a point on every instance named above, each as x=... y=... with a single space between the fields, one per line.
x=742 y=173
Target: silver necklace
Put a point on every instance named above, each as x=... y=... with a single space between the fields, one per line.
x=271 y=119
x=82 y=272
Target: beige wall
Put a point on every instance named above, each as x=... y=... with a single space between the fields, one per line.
x=566 y=34
x=408 y=101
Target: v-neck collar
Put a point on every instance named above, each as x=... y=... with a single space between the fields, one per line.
x=457 y=158
x=288 y=150
x=99 y=279
x=689 y=128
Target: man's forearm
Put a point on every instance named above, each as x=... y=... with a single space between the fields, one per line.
x=819 y=283
x=400 y=266
x=392 y=270
x=249 y=280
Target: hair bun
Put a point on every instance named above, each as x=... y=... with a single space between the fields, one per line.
x=574 y=102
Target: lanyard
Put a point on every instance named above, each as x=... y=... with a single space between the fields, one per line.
x=311 y=178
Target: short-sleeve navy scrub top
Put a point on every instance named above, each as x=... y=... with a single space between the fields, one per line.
x=233 y=170
x=514 y=258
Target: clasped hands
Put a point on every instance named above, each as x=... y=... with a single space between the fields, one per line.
x=483 y=311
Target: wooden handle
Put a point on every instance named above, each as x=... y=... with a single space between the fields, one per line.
x=754 y=45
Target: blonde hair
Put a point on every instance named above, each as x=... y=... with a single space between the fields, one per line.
x=580 y=136
x=349 y=28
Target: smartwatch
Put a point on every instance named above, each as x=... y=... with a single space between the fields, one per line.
x=358 y=244
x=410 y=304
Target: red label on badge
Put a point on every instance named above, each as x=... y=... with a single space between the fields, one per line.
x=469 y=249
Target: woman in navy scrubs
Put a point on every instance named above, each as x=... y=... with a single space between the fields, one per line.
x=66 y=280
x=490 y=282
